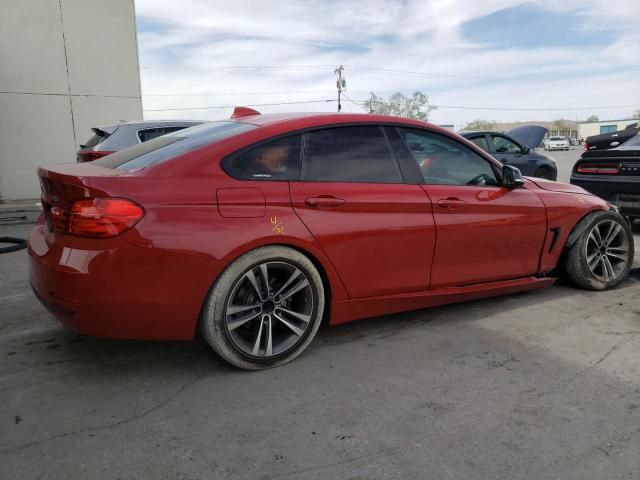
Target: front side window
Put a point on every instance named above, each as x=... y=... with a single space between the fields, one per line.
x=275 y=160
x=349 y=154
x=504 y=145
x=481 y=142
x=444 y=161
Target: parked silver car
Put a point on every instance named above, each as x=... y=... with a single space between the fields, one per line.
x=112 y=138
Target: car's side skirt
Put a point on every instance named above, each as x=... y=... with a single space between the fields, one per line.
x=348 y=310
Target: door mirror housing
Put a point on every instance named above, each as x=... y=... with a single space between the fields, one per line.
x=511 y=177
x=526 y=150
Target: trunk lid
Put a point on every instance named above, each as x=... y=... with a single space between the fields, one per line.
x=67 y=182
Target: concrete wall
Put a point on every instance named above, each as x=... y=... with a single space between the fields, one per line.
x=588 y=129
x=65 y=66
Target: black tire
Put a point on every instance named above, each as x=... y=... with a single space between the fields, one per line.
x=545 y=173
x=214 y=321
x=576 y=266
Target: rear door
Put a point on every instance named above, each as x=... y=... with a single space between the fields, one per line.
x=485 y=232
x=377 y=230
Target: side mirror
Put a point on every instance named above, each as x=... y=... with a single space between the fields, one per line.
x=511 y=177
x=526 y=150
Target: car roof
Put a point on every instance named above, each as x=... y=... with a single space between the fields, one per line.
x=306 y=120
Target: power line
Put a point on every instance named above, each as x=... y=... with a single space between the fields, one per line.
x=233 y=106
x=237 y=68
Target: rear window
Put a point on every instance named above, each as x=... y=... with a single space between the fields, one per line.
x=633 y=142
x=169 y=146
x=151 y=133
x=99 y=137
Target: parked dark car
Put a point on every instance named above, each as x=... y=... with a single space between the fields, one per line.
x=613 y=175
x=112 y=138
x=517 y=148
x=606 y=141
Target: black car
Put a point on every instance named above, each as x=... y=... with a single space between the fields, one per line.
x=606 y=141
x=613 y=175
x=517 y=148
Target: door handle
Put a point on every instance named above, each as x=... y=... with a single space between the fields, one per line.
x=451 y=202
x=324 y=202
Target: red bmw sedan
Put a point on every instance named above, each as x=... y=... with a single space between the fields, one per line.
x=255 y=229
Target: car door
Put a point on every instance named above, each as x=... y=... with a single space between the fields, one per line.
x=509 y=152
x=485 y=232
x=377 y=230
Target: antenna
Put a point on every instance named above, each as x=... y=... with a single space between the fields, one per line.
x=341 y=84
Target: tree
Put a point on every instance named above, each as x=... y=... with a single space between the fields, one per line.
x=593 y=118
x=480 y=124
x=416 y=106
x=561 y=125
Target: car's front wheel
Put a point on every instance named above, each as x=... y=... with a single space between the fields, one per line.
x=603 y=254
x=264 y=309
x=545 y=173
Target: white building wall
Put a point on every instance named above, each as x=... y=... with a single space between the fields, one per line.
x=587 y=129
x=66 y=66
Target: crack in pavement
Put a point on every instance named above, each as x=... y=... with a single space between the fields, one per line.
x=124 y=421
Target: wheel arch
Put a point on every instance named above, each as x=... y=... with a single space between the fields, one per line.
x=327 y=274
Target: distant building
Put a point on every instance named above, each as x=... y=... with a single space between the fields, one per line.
x=587 y=129
x=65 y=66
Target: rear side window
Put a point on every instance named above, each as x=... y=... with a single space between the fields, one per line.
x=151 y=133
x=349 y=154
x=169 y=146
x=276 y=160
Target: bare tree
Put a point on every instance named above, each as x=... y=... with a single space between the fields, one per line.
x=593 y=118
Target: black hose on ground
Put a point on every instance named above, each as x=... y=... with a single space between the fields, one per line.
x=18 y=244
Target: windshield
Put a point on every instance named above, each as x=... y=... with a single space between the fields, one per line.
x=163 y=148
x=557 y=139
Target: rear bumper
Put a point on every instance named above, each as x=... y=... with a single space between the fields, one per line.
x=112 y=289
x=621 y=191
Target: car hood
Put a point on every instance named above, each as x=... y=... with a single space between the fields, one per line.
x=552 y=186
x=528 y=135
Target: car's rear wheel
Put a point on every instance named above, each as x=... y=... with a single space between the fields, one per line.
x=544 y=173
x=603 y=254
x=265 y=308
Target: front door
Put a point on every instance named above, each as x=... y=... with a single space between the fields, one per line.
x=377 y=231
x=485 y=232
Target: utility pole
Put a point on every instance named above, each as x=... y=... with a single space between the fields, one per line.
x=341 y=84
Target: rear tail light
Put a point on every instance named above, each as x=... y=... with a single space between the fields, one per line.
x=96 y=217
x=599 y=169
x=91 y=155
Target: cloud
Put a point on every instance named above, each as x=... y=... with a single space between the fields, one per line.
x=195 y=47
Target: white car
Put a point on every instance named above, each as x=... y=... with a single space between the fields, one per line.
x=556 y=143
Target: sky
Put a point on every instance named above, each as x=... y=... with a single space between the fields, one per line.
x=492 y=59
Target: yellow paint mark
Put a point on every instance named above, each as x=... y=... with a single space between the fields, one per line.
x=278 y=226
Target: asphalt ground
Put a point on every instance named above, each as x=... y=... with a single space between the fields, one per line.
x=536 y=385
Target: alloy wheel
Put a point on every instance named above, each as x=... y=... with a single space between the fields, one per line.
x=607 y=250
x=269 y=309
